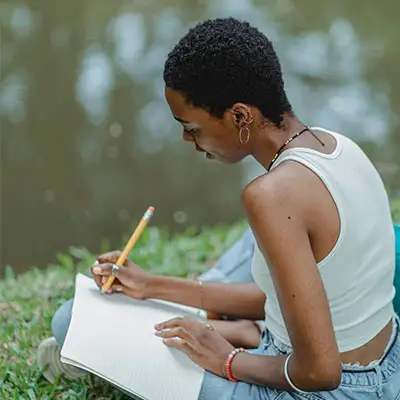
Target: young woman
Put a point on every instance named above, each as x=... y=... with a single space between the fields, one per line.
x=324 y=259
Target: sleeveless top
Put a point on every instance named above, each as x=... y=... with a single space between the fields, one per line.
x=358 y=273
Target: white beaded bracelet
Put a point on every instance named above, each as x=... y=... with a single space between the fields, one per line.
x=287 y=377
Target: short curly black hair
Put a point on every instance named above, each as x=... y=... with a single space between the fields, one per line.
x=223 y=61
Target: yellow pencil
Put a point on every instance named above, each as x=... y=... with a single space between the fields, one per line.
x=128 y=248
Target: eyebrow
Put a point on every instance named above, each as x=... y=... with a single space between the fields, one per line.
x=181 y=120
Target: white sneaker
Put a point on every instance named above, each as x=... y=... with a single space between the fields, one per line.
x=49 y=360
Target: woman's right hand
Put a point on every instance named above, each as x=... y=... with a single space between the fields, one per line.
x=129 y=279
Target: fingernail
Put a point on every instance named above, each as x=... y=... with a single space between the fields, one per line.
x=97 y=270
x=119 y=289
x=157 y=333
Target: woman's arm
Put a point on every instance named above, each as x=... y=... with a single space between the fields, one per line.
x=239 y=300
x=279 y=209
x=239 y=333
x=279 y=223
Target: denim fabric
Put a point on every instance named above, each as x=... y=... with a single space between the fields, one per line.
x=358 y=383
x=60 y=322
x=235 y=264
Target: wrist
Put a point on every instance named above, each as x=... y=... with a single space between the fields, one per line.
x=227 y=370
x=154 y=286
x=170 y=288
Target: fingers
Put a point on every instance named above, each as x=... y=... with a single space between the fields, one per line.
x=97 y=279
x=110 y=257
x=101 y=280
x=102 y=270
x=177 y=337
x=185 y=334
x=181 y=344
x=186 y=322
x=98 y=274
x=179 y=332
x=118 y=288
x=101 y=273
x=171 y=323
x=114 y=288
x=193 y=331
x=106 y=269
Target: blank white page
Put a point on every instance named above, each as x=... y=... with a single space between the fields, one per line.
x=113 y=337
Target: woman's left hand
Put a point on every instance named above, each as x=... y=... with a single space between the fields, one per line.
x=206 y=347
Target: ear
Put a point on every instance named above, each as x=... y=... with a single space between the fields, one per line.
x=241 y=114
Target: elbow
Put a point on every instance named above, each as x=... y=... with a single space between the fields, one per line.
x=324 y=378
x=321 y=375
x=330 y=382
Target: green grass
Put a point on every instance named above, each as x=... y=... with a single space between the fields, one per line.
x=28 y=301
x=396 y=209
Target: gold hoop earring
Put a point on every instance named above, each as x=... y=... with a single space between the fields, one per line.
x=244 y=134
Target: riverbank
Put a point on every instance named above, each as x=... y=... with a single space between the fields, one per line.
x=28 y=301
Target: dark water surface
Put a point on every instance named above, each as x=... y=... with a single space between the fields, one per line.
x=87 y=139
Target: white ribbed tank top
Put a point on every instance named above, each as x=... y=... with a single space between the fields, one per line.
x=358 y=273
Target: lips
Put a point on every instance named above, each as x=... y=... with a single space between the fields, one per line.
x=199 y=149
x=207 y=155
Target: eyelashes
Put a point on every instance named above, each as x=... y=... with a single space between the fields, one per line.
x=191 y=131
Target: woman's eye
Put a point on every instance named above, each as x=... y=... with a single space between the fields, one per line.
x=191 y=131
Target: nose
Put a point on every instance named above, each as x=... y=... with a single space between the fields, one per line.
x=187 y=137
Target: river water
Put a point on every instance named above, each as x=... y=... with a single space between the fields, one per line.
x=87 y=141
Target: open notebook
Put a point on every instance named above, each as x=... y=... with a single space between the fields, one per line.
x=113 y=337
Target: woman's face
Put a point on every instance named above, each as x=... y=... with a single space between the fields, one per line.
x=218 y=138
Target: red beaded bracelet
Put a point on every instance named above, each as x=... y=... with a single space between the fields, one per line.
x=228 y=363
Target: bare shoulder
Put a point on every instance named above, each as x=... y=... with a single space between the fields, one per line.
x=289 y=185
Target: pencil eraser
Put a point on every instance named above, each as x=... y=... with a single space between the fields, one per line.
x=151 y=209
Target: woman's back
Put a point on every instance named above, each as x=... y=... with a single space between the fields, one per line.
x=358 y=272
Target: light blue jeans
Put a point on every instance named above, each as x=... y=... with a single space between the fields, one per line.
x=382 y=381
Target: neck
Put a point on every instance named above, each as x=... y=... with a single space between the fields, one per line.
x=268 y=138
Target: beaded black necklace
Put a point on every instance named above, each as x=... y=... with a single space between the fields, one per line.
x=288 y=141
